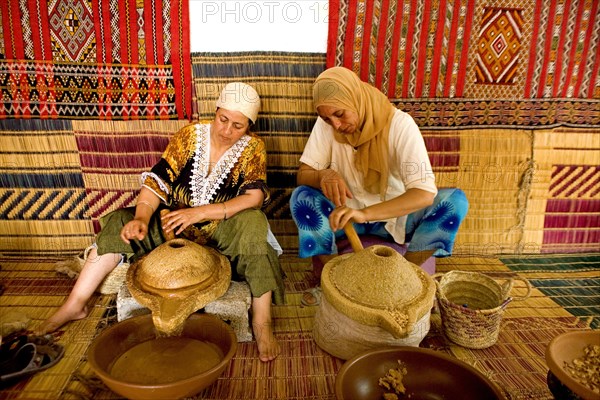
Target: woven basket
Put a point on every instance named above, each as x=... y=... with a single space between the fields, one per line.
x=471 y=306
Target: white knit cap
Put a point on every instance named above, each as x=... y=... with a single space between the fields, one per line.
x=238 y=96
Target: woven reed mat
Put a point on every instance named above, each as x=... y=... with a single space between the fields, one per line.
x=491 y=166
x=43 y=207
x=516 y=362
x=36 y=290
x=113 y=155
x=61 y=176
x=564 y=298
x=563 y=210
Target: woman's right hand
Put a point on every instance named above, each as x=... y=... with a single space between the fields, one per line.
x=334 y=187
x=134 y=229
x=341 y=216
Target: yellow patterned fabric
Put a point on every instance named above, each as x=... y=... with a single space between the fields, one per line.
x=184 y=177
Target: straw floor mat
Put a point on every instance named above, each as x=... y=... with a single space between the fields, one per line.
x=564 y=298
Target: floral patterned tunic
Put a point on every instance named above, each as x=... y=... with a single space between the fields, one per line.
x=182 y=178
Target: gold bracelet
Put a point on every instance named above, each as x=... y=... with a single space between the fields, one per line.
x=146 y=203
x=224 y=212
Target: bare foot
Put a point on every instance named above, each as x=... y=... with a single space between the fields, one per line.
x=268 y=346
x=62 y=316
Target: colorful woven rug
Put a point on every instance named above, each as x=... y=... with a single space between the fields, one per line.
x=504 y=57
x=84 y=59
x=564 y=298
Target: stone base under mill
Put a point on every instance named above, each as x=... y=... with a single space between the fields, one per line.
x=232 y=307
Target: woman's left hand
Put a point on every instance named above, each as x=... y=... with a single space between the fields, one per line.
x=342 y=215
x=180 y=219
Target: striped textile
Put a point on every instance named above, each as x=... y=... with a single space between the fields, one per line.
x=563 y=204
x=563 y=50
x=58 y=177
x=82 y=59
x=407 y=49
x=572 y=281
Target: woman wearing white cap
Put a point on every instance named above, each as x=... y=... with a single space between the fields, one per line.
x=210 y=185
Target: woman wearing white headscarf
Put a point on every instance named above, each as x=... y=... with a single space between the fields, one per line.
x=208 y=187
x=365 y=163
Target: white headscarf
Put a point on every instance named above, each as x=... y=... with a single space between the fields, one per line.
x=238 y=96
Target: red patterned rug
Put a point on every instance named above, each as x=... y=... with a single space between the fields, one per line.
x=505 y=57
x=84 y=59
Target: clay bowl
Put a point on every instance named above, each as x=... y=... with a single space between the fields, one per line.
x=430 y=375
x=118 y=339
x=564 y=348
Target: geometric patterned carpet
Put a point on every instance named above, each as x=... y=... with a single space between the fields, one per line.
x=564 y=298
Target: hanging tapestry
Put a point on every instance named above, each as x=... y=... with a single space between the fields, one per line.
x=433 y=56
x=95 y=59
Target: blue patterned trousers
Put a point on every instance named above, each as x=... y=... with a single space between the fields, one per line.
x=431 y=228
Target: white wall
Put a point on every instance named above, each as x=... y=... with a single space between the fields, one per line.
x=242 y=25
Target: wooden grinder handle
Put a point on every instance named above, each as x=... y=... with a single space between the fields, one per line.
x=353 y=237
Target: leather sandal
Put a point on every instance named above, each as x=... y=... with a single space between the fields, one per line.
x=21 y=358
x=315 y=295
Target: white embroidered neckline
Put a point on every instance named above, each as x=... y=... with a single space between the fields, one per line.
x=204 y=185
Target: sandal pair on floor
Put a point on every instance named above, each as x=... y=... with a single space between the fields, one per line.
x=22 y=355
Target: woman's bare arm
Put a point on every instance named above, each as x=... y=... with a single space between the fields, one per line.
x=408 y=202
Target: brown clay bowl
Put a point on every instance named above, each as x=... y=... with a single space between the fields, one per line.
x=117 y=339
x=564 y=348
x=430 y=375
